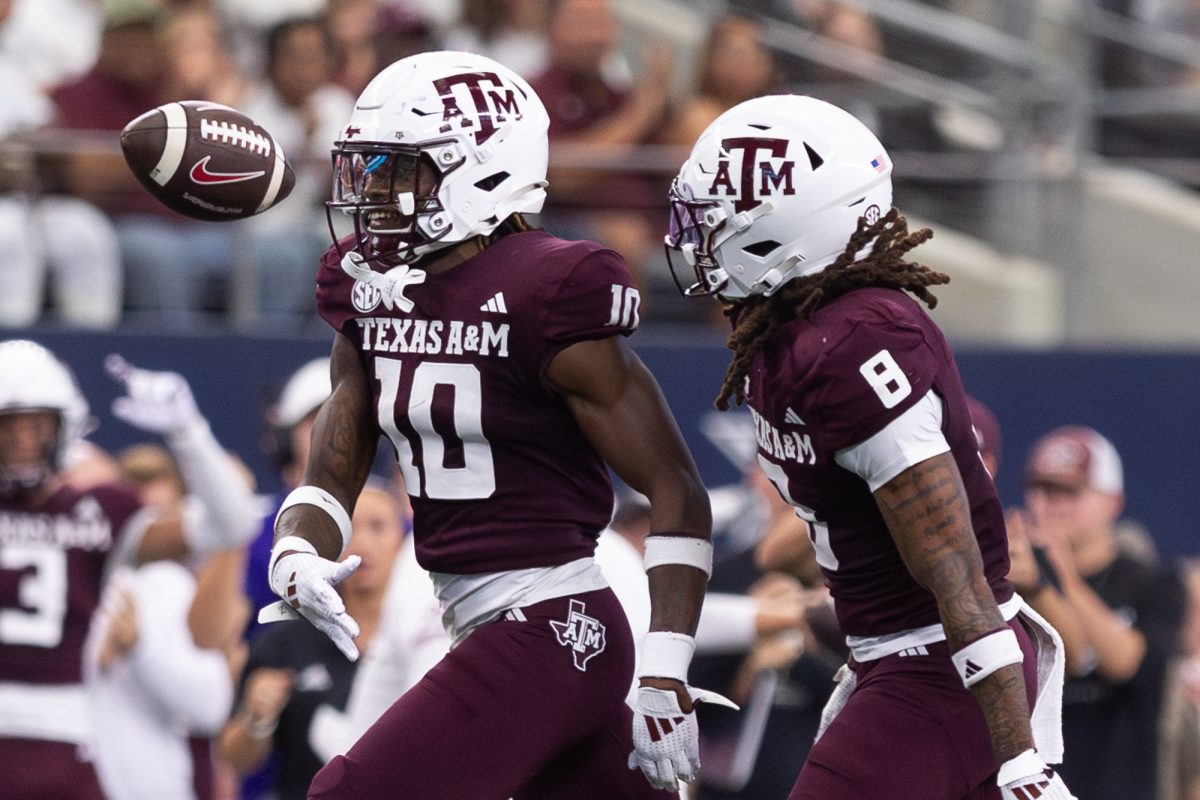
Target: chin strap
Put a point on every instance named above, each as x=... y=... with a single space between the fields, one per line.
x=390 y=284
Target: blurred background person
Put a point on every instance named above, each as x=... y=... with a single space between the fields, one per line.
x=1120 y=617
x=293 y=668
x=51 y=582
x=200 y=61
x=410 y=641
x=596 y=115
x=288 y=431
x=175 y=267
x=735 y=65
x=987 y=434
x=162 y=680
x=53 y=244
x=512 y=32
x=305 y=111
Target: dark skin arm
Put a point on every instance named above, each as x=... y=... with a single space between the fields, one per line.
x=926 y=510
x=344 y=438
x=621 y=410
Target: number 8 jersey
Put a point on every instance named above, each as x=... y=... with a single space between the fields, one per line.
x=500 y=475
x=821 y=388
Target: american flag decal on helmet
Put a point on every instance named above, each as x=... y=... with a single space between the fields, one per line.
x=879 y=163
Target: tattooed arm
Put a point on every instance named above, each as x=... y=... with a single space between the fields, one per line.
x=926 y=510
x=344 y=439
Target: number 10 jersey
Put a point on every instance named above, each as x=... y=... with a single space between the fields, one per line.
x=499 y=473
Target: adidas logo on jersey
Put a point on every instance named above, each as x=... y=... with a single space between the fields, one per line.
x=971 y=668
x=495 y=304
x=792 y=418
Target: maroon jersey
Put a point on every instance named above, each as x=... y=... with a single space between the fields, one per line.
x=832 y=382
x=52 y=560
x=500 y=475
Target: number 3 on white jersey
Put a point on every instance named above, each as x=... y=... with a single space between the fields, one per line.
x=886 y=378
x=476 y=479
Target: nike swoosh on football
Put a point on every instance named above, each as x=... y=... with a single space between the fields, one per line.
x=202 y=174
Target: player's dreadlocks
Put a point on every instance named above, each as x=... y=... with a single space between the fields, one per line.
x=884 y=266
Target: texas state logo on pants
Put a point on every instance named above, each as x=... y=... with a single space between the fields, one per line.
x=583 y=634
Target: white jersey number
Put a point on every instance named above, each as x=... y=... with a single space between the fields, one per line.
x=43 y=591
x=886 y=378
x=475 y=478
x=818 y=531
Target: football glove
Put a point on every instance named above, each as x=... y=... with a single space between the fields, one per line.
x=666 y=744
x=305 y=581
x=1027 y=777
x=159 y=402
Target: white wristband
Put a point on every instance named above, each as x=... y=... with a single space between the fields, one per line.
x=984 y=656
x=286 y=544
x=666 y=654
x=316 y=496
x=1024 y=765
x=686 y=550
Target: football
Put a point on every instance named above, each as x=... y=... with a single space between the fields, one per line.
x=206 y=160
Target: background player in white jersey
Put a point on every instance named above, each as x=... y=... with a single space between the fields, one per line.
x=784 y=212
x=58 y=543
x=492 y=357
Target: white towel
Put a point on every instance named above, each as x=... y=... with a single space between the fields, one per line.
x=846 y=680
x=1046 y=719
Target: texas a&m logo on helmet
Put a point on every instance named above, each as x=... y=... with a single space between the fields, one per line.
x=492 y=102
x=765 y=169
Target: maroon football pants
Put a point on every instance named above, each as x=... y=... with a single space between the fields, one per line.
x=38 y=770
x=910 y=731
x=532 y=709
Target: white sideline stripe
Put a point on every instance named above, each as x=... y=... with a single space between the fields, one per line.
x=276 y=181
x=172 y=153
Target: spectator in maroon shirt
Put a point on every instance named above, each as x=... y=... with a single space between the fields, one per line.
x=171 y=262
x=593 y=118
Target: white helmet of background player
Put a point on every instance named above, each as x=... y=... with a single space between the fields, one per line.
x=773 y=189
x=305 y=392
x=32 y=379
x=477 y=126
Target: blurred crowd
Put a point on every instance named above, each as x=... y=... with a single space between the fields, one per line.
x=83 y=243
x=183 y=693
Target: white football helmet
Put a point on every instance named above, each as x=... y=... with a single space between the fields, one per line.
x=304 y=392
x=773 y=189
x=475 y=124
x=32 y=379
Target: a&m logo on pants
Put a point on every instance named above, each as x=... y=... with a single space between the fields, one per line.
x=583 y=634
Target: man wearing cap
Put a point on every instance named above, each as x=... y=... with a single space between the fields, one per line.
x=1119 y=616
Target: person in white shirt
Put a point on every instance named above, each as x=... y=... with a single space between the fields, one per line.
x=159 y=691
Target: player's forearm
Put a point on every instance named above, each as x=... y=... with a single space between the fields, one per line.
x=1001 y=695
x=676 y=596
x=925 y=507
x=969 y=613
x=343 y=447
x=926 y=510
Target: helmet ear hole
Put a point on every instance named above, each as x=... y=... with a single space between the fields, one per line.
x=491 y=181
x=814 y=158
x=762 y=249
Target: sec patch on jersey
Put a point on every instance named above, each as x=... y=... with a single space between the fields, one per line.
x=206 y=160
